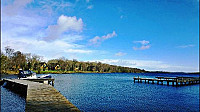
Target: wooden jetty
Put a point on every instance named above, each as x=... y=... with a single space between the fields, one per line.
x=174 y=81
x=49 y=81
x=41 y=97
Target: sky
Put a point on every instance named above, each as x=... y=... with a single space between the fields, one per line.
x=155 y=35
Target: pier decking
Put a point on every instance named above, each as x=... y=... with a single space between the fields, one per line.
x=174 y=81
x=49 y=81
x=42 y=97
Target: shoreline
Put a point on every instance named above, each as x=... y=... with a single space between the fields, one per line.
x=87 y=72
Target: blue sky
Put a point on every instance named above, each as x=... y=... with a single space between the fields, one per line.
x=147 y=34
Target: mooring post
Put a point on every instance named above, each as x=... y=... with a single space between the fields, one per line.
x=176 y=83
x=162 y=82
x=181 y=83
x=168 y=83
x=52 y=82
x=173 y=83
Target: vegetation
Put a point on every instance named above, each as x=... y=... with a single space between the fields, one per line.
x=12 y=61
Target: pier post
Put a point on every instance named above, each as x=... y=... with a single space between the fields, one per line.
x=52 y=83
x=168 y=83
x=181 y=83
x=172 y=83
x=176 y=83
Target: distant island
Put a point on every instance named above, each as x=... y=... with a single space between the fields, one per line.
x=12 y=61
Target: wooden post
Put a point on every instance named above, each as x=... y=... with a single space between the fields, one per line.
x=173 y=83
x=181 y=83
x=168 y=83
x=152 y=81
x=52 y=82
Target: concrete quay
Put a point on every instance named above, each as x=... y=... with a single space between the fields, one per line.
x=41 y=97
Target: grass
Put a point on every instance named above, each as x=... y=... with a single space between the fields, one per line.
x=64 y=72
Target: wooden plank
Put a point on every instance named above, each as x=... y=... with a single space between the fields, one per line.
x=44 y=98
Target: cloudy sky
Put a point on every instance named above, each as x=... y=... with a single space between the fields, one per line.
x=147 y=34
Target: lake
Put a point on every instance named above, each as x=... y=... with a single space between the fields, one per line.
x=118 y=92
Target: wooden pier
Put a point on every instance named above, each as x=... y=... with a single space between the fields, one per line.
x=174 y=81
x=49 y=81
x=41 y=97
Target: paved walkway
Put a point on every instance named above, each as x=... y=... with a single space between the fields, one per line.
x=44 y=98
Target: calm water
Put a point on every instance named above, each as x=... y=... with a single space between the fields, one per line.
x=116 y=92
x=11 y=102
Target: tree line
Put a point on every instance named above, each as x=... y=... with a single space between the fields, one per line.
x=12 y=61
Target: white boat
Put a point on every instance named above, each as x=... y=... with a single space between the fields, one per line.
x=27 y=74
x=45 y=76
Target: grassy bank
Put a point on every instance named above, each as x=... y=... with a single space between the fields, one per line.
x=65 y=72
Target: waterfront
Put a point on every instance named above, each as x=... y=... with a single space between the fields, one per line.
x=118 y=92
x=11 y=102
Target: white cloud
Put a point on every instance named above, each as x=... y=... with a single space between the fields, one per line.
x=64 y=24
x=148 y=65
x=97 y=40
x=15 y=7
x=186 y=46
x=49 y=50
x=87 y=1
x=110 y=35
x=144 y=43
x=78 y=51
x=143 y=47
x=17 y=21
x=24 y=30
x=120 y=54
x=90 y=7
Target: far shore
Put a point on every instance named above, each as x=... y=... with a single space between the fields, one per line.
x=73 y=72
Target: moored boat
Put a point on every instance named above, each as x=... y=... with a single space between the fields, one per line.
x=45 y=76
x=27 y=74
